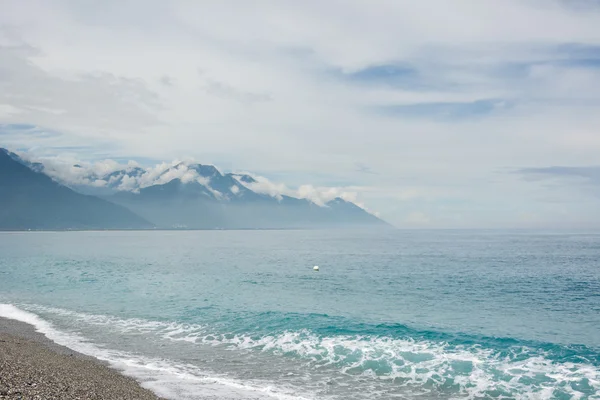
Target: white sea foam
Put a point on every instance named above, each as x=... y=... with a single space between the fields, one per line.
x=470 y=372
x=419 y=364
x=166 y=378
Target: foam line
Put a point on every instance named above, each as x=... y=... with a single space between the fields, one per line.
x=165 y=378
x=520 y=372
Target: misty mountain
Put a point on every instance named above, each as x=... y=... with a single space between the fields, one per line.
x=222 y=201
x=184 y=195
x=109 y=183
x=30 y=199
x=34 y=166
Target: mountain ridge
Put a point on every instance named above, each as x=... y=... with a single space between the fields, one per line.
x=32 y=200
x=199 y=196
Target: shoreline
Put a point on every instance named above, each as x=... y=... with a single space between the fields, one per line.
x=34 y=367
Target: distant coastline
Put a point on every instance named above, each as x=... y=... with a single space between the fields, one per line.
x=180 y=229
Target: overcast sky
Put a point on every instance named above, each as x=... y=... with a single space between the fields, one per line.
x=464 y=113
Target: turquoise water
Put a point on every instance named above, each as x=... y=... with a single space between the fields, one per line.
x=394 y=314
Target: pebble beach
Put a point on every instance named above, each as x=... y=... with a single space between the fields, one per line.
x=33 y=367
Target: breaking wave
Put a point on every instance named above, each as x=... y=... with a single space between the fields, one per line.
x=453 y=366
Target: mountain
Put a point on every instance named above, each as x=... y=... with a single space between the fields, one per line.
x=109 y=183
x=30 y=199
x=35 y=166
x=223 y=201
x=182 y=196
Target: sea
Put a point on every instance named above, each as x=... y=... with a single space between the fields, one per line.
x=391 y=314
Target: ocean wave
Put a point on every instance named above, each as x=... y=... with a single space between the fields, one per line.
x=470 y=370
x=166 y=378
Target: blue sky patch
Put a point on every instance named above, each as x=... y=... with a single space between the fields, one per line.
x=16 y=127
x=447 y=111
x=382 y=74
x=27 y=129
x=591 y=173
x=401 y=75
x=579 y=55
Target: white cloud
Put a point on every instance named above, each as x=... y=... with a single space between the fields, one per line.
x=6 y=110
x=74 y=172
x=318 y=195
x=99 y=183
x=179 y=171
x=128 y=184
x=263 y=185
x=322 y=195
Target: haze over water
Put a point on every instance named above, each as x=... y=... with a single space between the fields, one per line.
x=391 y=314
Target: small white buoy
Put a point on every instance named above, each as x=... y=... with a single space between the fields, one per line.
x=316 y=268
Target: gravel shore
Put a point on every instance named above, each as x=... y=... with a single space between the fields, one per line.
x=34 y=367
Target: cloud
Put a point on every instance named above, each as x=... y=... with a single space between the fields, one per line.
x=6 y=110
x=165 y=173
x=88 y=99
x=395 y=76
x=74 y=172
x=365 y=169
x=418 y=218
x=590 y=173
x=318 y=195
x=578 y=180
x=98 y=174
x=225 y=91
x=167 y=80
x=98 y=103
x=446 y=111
x=263 y=185
x=162 y=173
x=128 y=184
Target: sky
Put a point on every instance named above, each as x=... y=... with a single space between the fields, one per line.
x=433 y=114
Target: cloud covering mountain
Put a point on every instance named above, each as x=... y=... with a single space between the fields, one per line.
x=108 y=176
x=29 y=199
x=170 y=196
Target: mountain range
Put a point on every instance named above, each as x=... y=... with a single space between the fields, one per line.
x=200 y=198
x=29 y=199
